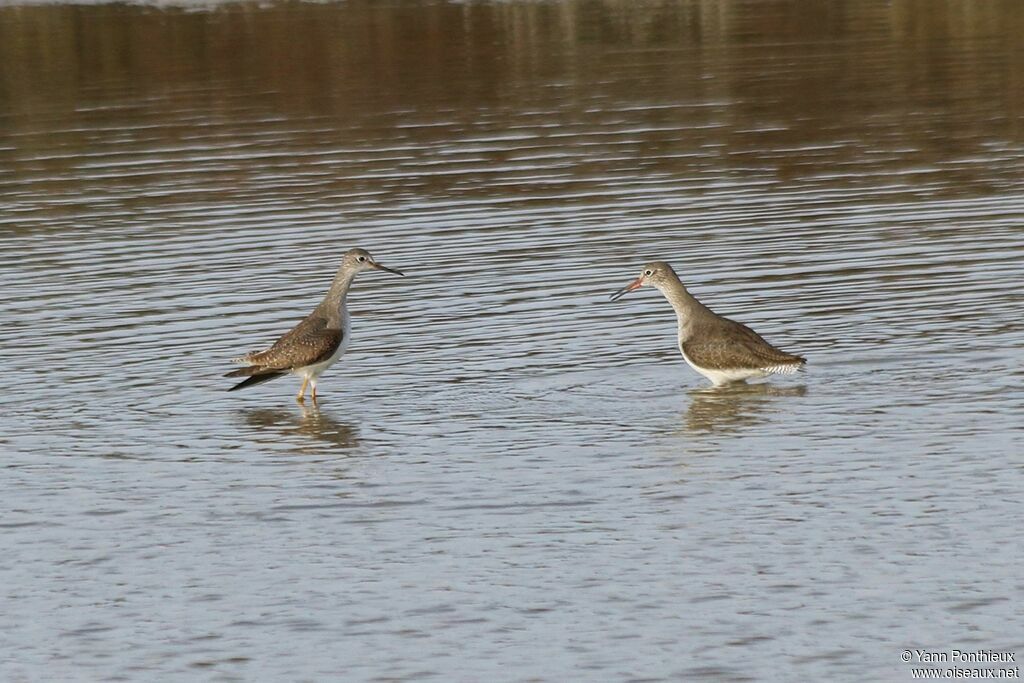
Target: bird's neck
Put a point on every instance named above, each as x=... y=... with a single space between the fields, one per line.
x=688 y=309
x=334 y=300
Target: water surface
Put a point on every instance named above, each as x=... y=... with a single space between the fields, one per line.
x=509 y=477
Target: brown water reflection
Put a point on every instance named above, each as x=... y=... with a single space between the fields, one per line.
x=800 y=78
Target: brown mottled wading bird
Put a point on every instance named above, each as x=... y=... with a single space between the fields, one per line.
x=722 y=350
x=317 y=342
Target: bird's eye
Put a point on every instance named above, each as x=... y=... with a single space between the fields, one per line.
x=361 y=259
x=648 y=272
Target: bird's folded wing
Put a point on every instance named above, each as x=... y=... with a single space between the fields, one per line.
x=736 y=354
x=309 y=343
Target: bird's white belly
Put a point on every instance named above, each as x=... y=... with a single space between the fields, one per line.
x=720 y=377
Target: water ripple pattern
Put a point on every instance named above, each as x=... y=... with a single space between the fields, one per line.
x=509 y=477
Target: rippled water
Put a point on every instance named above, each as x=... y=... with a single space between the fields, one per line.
x=509 y=477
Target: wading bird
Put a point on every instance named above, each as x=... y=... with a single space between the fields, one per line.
x=317 y=342
x=722 y=350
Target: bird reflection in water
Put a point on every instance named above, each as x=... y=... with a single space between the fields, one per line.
x=734 y=406
x=310 y=421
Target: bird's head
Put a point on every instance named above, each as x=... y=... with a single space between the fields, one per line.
x=655 y=274
x=359 y=260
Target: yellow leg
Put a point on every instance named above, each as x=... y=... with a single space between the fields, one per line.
x=302 y=391
x=314 y=391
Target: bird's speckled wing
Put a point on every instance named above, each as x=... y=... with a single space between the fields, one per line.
x=310 y=342
x=739 y=347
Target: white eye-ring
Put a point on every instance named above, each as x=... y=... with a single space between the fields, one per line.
x=648 y=272
x=361 y=259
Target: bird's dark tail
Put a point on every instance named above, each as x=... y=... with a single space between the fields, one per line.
x=257 y=379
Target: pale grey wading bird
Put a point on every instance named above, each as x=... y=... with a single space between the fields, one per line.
x=722 y=350
x=317 y=342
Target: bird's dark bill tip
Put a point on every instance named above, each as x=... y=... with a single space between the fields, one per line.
x=388 y=270
x=635 y=284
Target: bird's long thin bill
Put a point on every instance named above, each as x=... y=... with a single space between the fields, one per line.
x=388 y=270
x=635 y=284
